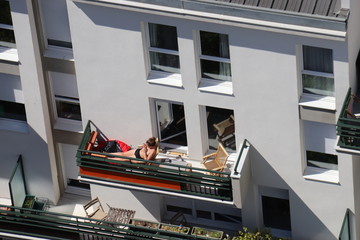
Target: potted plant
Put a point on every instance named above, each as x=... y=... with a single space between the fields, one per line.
x=175 y=228
x=208 y=233
x=144 y=223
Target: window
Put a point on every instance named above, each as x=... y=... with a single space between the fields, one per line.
x=7 y=37
x=163 y=49
x=12 y=110
x=171 y=123
x=321 y=160
x=276 y=213
x=68 y=108
x=12 y=107
x=317 y=75
x=215 y=56
x=66 y=101
x=221 y=128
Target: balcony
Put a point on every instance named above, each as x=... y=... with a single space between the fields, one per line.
x=175 y=178
x=348 y=125
x=16 y=223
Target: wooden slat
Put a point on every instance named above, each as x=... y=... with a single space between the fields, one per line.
x=332 y=10
x=252 y=2
x=293 y=5
x=238 y=1
x=322 y=7
x=266 y=3
x=308 y=6
x=280 y=4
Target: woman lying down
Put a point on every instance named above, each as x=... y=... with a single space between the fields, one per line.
x=148 y=151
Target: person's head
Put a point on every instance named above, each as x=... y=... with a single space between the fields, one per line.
x=151 y=142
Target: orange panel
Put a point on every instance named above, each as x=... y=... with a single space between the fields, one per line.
x=123 y=177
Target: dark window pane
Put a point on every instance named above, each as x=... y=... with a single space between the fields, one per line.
x=322 y=160
x=176 y=209
x=59 y=43
x=318 y=85
x=227 y=218
x=215 y=70
x=7 y=36
x=171 y=123
x=214 y=44
x=12 y=110
x=203 y=214
x=5 y=15
x=163 y=36
x=165 y=62
x=276 y=213
x=68 y=110
x=318 y=59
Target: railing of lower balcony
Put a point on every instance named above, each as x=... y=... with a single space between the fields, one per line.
x=149 y=174
x=348 y=126
x=57 y=226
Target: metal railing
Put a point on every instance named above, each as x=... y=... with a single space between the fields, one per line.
x=185 y=179
x=37 y=223
x=244 y=145
x=348 y=129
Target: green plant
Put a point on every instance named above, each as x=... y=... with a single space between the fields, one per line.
x=256 y=235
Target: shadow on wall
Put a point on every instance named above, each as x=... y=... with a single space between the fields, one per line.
x=36 y=163
x=304 y=222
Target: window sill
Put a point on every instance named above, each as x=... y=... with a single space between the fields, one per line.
x=216 y=86
x=69 y=125
x=322 y=175
x=168 y=79
x=317 y=101
x=14 y=125
x=59 y=53
x=9 y=54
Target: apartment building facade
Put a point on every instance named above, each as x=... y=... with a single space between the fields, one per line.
x=280 y=69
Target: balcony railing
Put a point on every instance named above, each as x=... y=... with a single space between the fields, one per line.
x=348 y=126
x=166 y=177
x=36 y=223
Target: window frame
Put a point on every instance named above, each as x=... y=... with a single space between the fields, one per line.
x=59 y=122
x=157 y=76
x=180 y=148
x=313 y=73
x=209 y=84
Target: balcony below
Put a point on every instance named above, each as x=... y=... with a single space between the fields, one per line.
x=348 y=125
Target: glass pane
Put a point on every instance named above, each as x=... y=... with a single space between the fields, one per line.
x=7 y=36
x=215 y=70
x=318 y=85
x=5 y=14
x=163 y=36
x=164 y=62
x=12 y=110
x=221 y=128
x=345 y=229
x=318 y=59
x=276 y=213
x=214 y=44
x=171 y=123
x=68 y=110
x=322 y=160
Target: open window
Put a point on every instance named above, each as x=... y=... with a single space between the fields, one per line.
x=171 y=123
x=221 y=128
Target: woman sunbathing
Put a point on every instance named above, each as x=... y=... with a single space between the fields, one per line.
x=148 y=151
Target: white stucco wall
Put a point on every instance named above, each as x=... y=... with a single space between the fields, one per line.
x=35 y=146
x=115 y=95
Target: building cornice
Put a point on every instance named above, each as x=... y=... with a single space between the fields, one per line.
x=332 y=28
